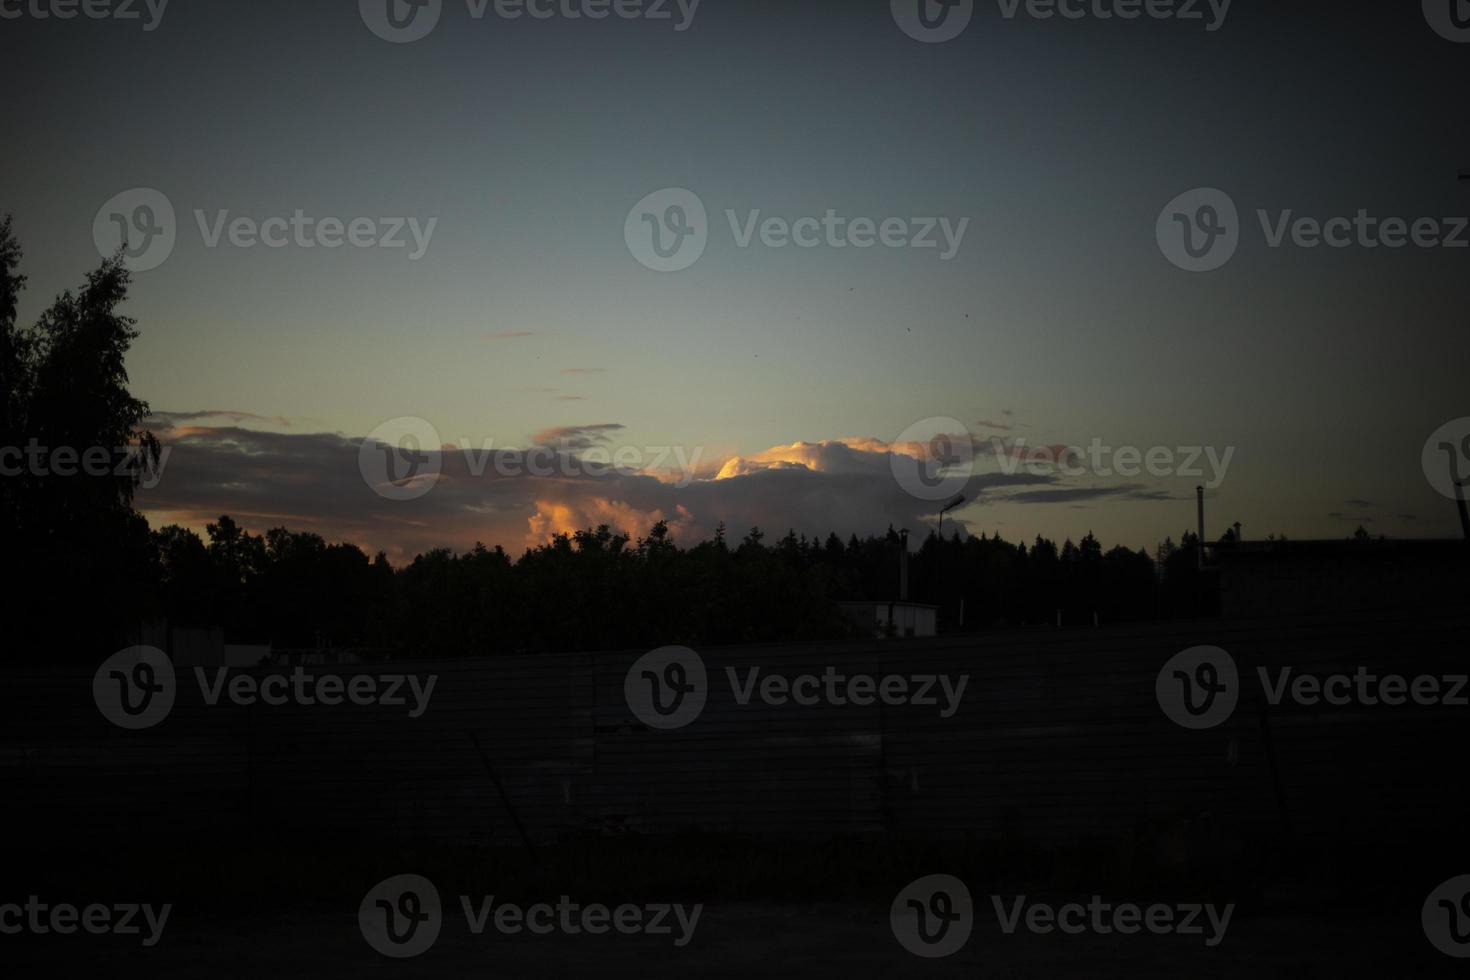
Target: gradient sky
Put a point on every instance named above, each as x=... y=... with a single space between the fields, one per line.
x=529 y=141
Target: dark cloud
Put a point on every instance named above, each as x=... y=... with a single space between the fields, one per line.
x=576 y=437
x=312 y=481
x=1066 y=495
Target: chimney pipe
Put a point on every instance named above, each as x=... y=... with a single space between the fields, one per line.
x=1237 y=532
x=1199 y=499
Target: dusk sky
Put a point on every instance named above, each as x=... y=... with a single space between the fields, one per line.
x=518 y=148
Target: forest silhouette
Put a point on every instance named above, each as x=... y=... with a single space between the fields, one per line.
x=93 y=571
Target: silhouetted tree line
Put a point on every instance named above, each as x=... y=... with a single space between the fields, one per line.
x=600 y=589
x=89 y=570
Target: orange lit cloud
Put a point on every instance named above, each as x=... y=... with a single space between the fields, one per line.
x=557 y=517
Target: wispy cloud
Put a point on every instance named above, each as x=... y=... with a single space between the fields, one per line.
x=577 y=437
x=584 y=370
x=1068 y=495
x=223 y=414
x=510 y=334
